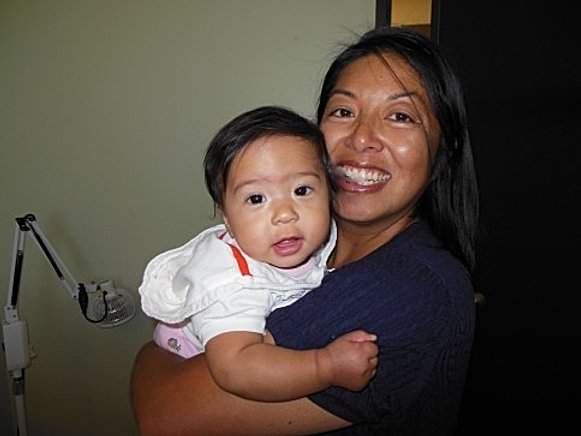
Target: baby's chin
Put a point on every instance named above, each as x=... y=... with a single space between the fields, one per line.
x=288 y=263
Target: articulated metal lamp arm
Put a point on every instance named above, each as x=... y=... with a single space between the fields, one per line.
x=29 y=224
x=118 y=308
x=15 y=331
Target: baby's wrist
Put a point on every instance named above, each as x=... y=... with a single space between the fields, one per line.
x=324 y=365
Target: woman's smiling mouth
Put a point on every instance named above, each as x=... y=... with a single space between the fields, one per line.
x=362 y=176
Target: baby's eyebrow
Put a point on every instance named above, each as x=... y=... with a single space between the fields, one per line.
x=257 y=180
x=244 y=183
x=309 y=173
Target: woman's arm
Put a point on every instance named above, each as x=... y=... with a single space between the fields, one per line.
x=172 y=396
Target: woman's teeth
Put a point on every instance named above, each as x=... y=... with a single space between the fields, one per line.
x=363 y=176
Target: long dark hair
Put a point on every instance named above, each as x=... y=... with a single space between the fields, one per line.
x=450 y=202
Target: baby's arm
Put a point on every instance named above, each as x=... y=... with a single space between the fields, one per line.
x=243 y=364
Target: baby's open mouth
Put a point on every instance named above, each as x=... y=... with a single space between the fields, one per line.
x=288 y=246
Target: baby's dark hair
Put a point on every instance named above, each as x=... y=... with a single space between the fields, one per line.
x=250 y=126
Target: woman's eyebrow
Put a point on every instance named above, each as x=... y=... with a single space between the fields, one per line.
x=415 y=98
x=342 y=92
x=395 y=96
x=403 y=94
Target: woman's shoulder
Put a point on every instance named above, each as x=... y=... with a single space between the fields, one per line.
x=401 y=286
x=413 y=259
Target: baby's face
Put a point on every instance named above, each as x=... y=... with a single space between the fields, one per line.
x=276 y=202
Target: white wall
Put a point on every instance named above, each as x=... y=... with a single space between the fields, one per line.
x=106 y=109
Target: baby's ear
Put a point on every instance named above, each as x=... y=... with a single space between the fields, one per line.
x=225 y=220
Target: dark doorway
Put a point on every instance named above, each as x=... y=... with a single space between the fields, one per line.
x=519 y=62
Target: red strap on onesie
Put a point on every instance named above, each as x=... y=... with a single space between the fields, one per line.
x=240 y=260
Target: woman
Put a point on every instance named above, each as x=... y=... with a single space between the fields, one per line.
x=406 y=206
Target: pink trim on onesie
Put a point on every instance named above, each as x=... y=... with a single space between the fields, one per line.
x=172 y=337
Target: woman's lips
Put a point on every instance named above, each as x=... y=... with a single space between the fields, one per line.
x=360 y=179
x=288 y=246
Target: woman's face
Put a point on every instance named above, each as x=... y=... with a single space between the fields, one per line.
x=381 y=136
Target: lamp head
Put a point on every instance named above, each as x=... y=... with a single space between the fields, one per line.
x=110 y=306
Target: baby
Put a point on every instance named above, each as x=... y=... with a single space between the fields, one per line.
x=268 y=173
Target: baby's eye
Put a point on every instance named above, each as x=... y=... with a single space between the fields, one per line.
x=303 y=190
x=255 y=199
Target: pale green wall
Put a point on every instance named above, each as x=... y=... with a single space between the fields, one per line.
x=106 y=108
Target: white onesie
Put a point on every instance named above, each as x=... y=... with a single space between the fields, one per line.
x=217 y=288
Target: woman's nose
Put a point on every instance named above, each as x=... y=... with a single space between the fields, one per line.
x=364 y=136
x=284 y=212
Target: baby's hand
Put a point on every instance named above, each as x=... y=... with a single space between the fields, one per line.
x=349 y=361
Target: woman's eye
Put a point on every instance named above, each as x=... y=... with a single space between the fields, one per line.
x=401 y=117
x=255 y=199
x=303 y=190
x=341 y=113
